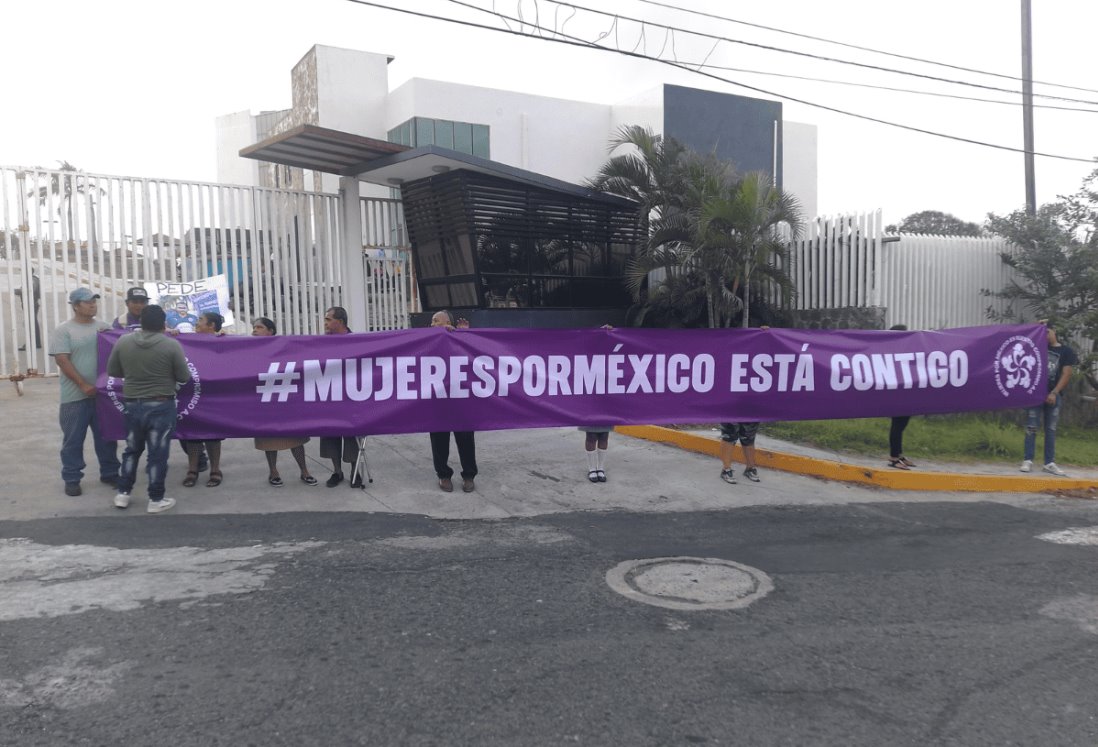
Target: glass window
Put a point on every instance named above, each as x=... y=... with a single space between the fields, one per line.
x=425 y=131
x=430 y=259
x=438 y=296
x=459 y=255
x=401 y=134
x=480 y=141
x=463 y=137
x=464 y=294
x=444 y=133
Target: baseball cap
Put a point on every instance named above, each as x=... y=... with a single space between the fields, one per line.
x=82 y=294
x=137 y=294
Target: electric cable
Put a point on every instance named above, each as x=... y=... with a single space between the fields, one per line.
x=823 y=58
x=575 y=42
x=861 y=48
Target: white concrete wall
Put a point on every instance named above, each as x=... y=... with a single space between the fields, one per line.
x=644 y=109
x=556 y=137
x=352 y=89
x=799 y=165
x=234 y=132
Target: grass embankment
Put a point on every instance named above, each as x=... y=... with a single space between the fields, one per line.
x=953 y=438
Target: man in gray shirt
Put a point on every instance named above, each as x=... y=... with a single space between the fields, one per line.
x=73 y=346
x=154 y=367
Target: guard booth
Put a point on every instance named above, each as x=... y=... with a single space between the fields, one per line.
x=501 y=246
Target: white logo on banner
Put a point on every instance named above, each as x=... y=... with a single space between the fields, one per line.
x=1017 y=364
x=115 y=394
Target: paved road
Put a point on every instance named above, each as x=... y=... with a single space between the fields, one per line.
x=900 y=623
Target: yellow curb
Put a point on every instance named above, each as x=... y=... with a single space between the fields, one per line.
x=884 y=478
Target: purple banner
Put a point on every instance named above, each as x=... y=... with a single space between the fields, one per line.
x=421 y=380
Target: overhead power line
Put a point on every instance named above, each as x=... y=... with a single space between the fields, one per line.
x=575 y=42
x=860 y=48
x=856 y=84
x=783 y=50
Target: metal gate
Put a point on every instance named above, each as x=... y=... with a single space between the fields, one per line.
x=280 y=250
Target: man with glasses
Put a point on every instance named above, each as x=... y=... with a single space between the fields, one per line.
x=73 y=346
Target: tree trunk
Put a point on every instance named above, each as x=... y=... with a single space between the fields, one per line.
x=747 y=298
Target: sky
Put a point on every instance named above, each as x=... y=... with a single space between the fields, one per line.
x=132 y=87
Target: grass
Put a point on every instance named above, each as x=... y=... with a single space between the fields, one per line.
x=953 y=438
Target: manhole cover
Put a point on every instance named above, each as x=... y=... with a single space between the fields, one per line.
x=689 y=583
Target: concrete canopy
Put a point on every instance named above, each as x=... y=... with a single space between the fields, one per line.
x=392 y=165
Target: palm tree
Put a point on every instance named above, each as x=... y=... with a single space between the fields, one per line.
x=760 y=220
x=650 y=173
x=64 y=184
x=705 y=226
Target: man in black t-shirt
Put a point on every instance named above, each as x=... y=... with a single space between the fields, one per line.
x=1061 y=362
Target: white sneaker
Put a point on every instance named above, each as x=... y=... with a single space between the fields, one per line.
x=1027 y=465
x=122 y=500
x=1053 y=469
x=156 y=507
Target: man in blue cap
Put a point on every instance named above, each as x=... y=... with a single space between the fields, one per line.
x=73 y=346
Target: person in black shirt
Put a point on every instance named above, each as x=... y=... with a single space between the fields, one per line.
x=1061 y=362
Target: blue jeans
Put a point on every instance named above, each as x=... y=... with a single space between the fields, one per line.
x=151 y=424
x=76 y=418
x=1052 y=417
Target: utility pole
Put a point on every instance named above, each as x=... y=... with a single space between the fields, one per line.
x=1027 y=106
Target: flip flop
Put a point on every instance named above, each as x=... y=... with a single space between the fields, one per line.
x=898 y=464
x=309 y=480
x=275 y=481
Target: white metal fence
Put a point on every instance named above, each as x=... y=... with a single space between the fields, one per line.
x=925 y=282
x=280 y=250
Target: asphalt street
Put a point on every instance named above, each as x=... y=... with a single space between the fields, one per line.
x=899 y=623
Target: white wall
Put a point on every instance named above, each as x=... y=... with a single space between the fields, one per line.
x=234 y=132
x=799 y=165
x=352 y=88
x=644 y=109
x=556 y=137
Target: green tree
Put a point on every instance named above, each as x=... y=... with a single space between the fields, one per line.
x=760 y=220
x=935 y=222
x=1055 y=255
x=707 y=228
x=648 y=170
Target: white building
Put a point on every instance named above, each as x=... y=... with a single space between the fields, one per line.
x=348 y=90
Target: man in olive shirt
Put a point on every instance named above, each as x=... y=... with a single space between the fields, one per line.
x=73 y=345
x=153 y=366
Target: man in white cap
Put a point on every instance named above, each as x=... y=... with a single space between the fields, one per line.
x=73 y=346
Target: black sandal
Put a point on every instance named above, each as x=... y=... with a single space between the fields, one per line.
x=190 y=480
x=275 y=481
x=215 y=479
x=898 y=463
x=907 y=461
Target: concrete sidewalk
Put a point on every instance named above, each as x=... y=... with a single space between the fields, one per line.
x=865 y=470
x=522 y=473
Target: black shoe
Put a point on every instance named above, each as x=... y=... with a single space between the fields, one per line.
x=446 y=484
x=73 y=489
x=356 y=481
x=335 y=479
